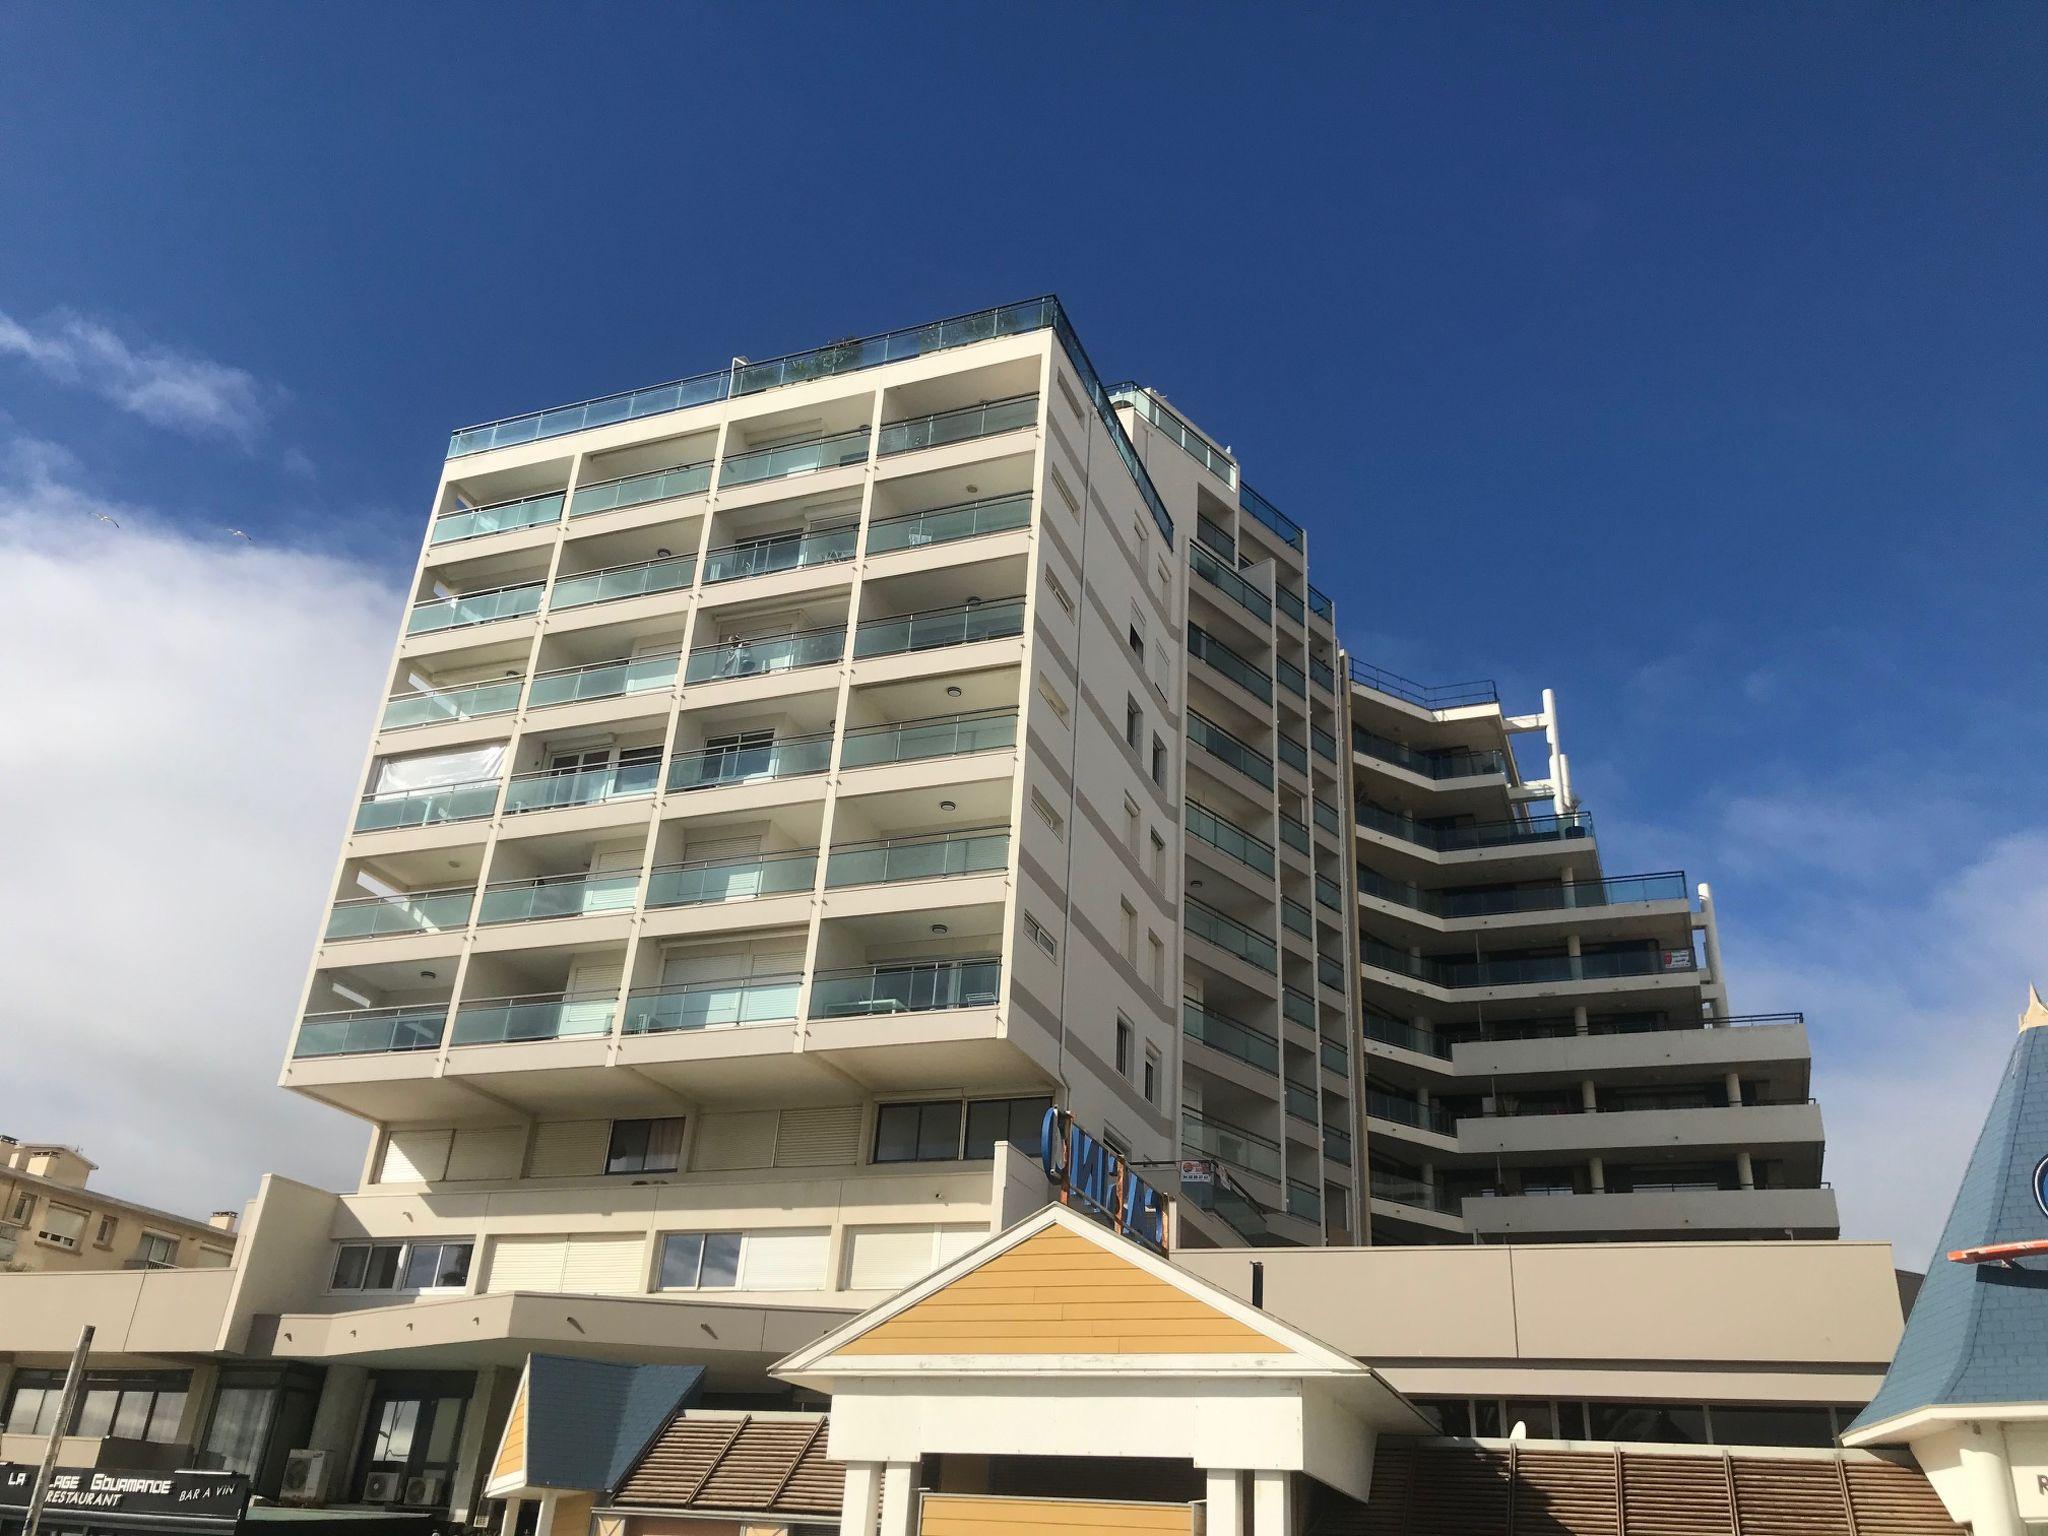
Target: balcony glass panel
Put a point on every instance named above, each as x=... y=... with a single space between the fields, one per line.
x=1227 y=581
x=532 y=901
x=428 y=807
x=368 y=1031
x=1336 y=1145
x=1291 y=677
x=1319 y=604
x=913 y=740
x=790 y=551
x=1298 y=1007
x=1335 y=1058
x=1392 y=1031
x=1381 y=1105
x=1270 y=516
x=366 y=917
x=1430 y=765
x=1329 y=893
x=1329 y=973
x=1227 y=837
x=1581 y=894
x=640 y=490
x=1220 y=744
x=543 y=1016
x=1290 y=605
x=1206 y=648
x=1495 y=834
x=642 y=579
x=1324 y=677
x=1251 y=1046
x=1227 y=1143
x=1293 y=833
x=787 y=758
x=712 y=1004
x=605 y=680
x=940 y=627
x=911 y=987
x=918 y=858
x=711 y=880
x=1293 y=753
x=499 y=517
x=1179 y=432
x=1324 y=743
x=772 y=653
x=1326 y=817
x=794 y=459
x=1228 y=934
x=549 y=790
x=1304 y=1201
x=465 y=609
x=1404 y=1189
x=1217 y=537
x=405 y=710
x=1297 y=918
x=959 y=426
x=1300 y=1099
x=946 y=525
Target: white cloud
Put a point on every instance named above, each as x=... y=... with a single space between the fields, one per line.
x=165 y=387
x=184 y=718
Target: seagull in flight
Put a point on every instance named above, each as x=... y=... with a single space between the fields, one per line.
x=238 y=534
x=105 y=519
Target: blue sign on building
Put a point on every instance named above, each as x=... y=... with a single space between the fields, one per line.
x=1092 y=1175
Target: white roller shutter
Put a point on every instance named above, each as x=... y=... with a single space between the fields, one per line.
x=818 y=1138
x=744 y=1140
x=605 y=1264
x=415 y=1157
x=527 y=1264
x=886 y=1258
x=702 y=850
x=954 y=1241
x=487 y=1154
x=783 y=1261
x=777 y=962
x=565 y=1149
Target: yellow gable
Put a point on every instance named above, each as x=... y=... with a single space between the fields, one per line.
x=511 y=1462
x=1058 y=1293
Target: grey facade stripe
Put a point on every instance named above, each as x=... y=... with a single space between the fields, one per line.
x=1045 y=1018
x=1051 y=643
x=1044 y=754
x=1091 y=497
x=1115 y=728
x=1058 y=540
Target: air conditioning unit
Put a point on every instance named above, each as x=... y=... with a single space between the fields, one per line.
x=422 y=1490
x=383 y=1487
x=305 y=1478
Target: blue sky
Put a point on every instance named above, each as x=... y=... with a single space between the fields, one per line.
x=1687 y=359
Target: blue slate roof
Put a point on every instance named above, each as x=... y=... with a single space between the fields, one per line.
x=1979 y=1332
x=587 y=1420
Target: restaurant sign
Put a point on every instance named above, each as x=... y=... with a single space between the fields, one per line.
x=168 y=1498
x=1090 y=1174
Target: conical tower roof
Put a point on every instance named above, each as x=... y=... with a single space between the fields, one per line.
x=1979 y=1331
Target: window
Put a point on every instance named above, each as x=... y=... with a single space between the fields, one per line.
x=1053 y=701
x=62 y=1226
x=134 y=1405
x=431 y=1264
x=1036 y=932
x=413 y=1429
x=1134 y=723
x=700 y=1261
x=991 y=1122
x=932 y=1131
x=1073 y=402
x=1136 y=638
x=1155 y=952
x=1059 y=592
x=1130 y=824
x=21 y=1207
x=103 y=1234
x=1127 y=932
x=1158 y=859
x=1159 y=762
x=1151 y=1083
x=1045 y=812
x=157 y=1250
x=645 y=1146
x=1125 y=1037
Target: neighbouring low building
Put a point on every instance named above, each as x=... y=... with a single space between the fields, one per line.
x=52 y=1220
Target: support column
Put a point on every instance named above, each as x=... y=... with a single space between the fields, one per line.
x=1987 y=1482
x=899 y=1498
x=1272 y=1504
x=1589 y=1094
x=857 y=1503
x=1596 y=1169
x=1226 y=1503
x=1582 y=1020
x=545 y=1525
x=1745 y=1171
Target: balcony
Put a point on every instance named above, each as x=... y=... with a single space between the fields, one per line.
x=1290 y=677
x=1427 y=765
x=1297 y=919
x=1185 y=437
x=1643 y=1214
x=1304 y=1201
x=941 y=736
x=1319 y=605
x=498 y=517
x=1461 y=838
x=1285 y=528
x=641 y=578
x=371 y=917
x=764 y=464
x=1320 y=672
x=933 y=856
x=1213 y=653
x=1773 y=1043
x=1253 y=1047
x=370 y=1031
x=553 y=896
x=909 y=987
x=1402 y=1189
x=720 y=880
x=1300 y=1101
x=1323 y=742
x=1226 y=748
x=1336 y=1144
x=1297 y=1007
x=1423 y=696
x=791 y=551
x=787 y=758
x=552 y=789
x=964 y=625
x=432 y=806
x=1227 y=838
x=1579 y=895
x=1229 y=583
x=1662 y=1129
x=537 y=1016
x=1294 y=833
x=642 y=489
x=758 y=658
x=1388 y=1030
x=403 y=711
x=948 y=525
x=605 y=680
x=1329 y=894
x=957 y=426
x=1394 y=1108
x=1293 y=753
x=1533 y=970
x=1204 y=1136
x=465 y=609
x=1228 y=934
x=712 y=1005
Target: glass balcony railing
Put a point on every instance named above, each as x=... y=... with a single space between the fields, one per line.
x=959 y=426
x=643 y=578
x=918 y=858
x=1319 y=604
x=642 y=489
x=1392 y=1031
x=1254 y=1047
x=498 y=517
x=1294 y=833
x=910 y=987
x=938 y=627
x=405 y=710
x=605 y=680
x=712 y=1004
x=1329 y=973
x=1230 y=584
x=1271 y=517
x=947 y=525
x=1329 y=893
x=1381 y=1105
x=1622 y=890
x=1429 y=765
x=1217 y=538
x=716 y=880
x=1293 y=753
x=1226 y=933
x=1206 y=648
x=1298 y=1007
x=552 y=789
x=1405 y=1189
x=792 y=551
x=467 y=608
x=1300 y=1101
x=788 y=757
x=1290 y=677
x=552 y=896
x=1336 y=1059
x=1324 y=743
x=538 y=1016
x=1457 y=837
x=371 y=1031
x=1528 y=970
x=764 y=464
x=1336 y=1145
x=1296 y=918
x=370 y=917
x=1227 y=837
x=1223 y=746
x=1190 y=442
x=1423 y=695
x=1324 y=675
x=916 y=740
x=1304 y=1200
x=1206 y=1136
x=1290 y=605
x=771 y=653
x=1326 y=817
x=427 y=807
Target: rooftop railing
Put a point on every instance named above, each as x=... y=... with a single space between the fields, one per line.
x=1252 y=1046
x=497 y=517
x=906 y=987
x=604 y=679
x=370 y=917
x=1190 y=442
x=1423 y=695
x=946 y=525
x=786 y=757
x=791 y=551
x=553 y=896
x=371 y=1031
x=967 y=624
x=712 y=1004
x=961 y=425
x=402 y=711
x=941 y=736
x=1271 y=517
x=773 y=653
x=463 y=609
x=431 y=806
x=641 y=578
x=642 y=489
x=746 y=879
x=534 y=1016
x=1230 y=584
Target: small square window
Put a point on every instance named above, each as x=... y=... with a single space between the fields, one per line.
x=1159 y=762
x=699 y=1261
x=1151 y=1083
x=103 y=1235
x=1134 y=723
x=1125 y=1036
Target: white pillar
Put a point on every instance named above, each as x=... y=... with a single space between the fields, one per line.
x=1717 y=998
x=1745 y=1171
x=899 y=1498
x=1596 y=1171
x=1987 y=1482
x=1226 y=1503
x=545 y=1525
x=1272 y=1504
x=857 y=1503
